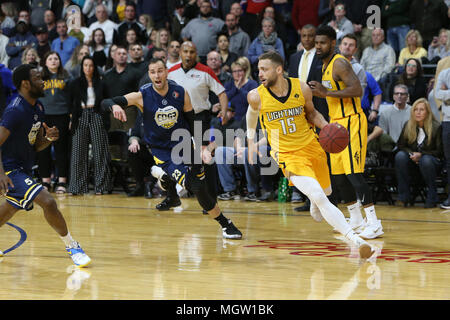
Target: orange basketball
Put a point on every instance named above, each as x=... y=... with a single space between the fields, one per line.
x=333 y=138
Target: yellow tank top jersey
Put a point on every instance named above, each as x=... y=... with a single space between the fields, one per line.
x=283 y=119
x=339 y=108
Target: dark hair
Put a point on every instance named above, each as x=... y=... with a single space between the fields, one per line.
x=83 y=81
x=156 y=60
x=351 y=36
x=222 y=34
x=92 y=43
x=157 y=50
x=21 y=73
x=404 y=79
x=326 y=31
x=273 y=56
x=61 y=73
x=130 y=3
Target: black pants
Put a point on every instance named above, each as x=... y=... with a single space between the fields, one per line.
x=61 y=146
x=141 y=163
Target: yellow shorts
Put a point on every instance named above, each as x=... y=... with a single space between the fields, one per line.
x=310 y=161
x=352 y=159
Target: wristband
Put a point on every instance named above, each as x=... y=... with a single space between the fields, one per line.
x=375 y=110
x=49 y=139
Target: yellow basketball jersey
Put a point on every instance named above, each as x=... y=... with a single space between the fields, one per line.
x=284 y=119
x=338 y=108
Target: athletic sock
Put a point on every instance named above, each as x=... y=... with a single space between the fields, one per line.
x=223 y=221
x=355 y=214
x=69 y=241
x=371 y=214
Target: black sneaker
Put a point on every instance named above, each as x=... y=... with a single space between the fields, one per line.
x=168 y=203
x=230 y=195
x=445 y=204
x=139 y=191
x=266 y=196
x=251 y=197
x=231 y=232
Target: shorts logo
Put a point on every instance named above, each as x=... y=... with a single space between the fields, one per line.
x=357 y=157
x=166 y=117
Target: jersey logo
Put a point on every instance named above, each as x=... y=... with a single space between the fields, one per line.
x=175 y=94
x=34 y=132
x=166 y=117
x=327 y=84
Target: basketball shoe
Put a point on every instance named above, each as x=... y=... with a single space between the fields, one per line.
x=372 y=230
x=78 y=256
x=231 y=232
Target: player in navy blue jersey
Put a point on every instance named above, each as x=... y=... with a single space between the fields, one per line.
x=168 y=112
x=23 y=132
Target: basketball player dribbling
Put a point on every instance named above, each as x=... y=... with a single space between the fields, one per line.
x=284 y=107
x=342 y=89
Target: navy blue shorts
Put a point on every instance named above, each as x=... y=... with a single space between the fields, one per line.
x=25 y=190
x=163 y=159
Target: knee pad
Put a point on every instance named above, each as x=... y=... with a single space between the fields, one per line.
x=361 y=187
x=195 y=179
x=204 y=199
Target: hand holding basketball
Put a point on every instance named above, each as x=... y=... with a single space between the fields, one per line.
x=333 y=138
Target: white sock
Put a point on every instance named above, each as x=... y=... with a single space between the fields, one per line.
x=355 y=213
x=68 y=241
x=312 y=189
x=371 y=215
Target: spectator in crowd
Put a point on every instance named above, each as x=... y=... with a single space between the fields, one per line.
x=173 y=54
x=420 y=151
x=4 y=58
x=90 y=6
x=163 y=39
x=130 y=22
x=238 y=89
x=267 y=40
x=25 y=16
x=109 y=60
x=280 y=24
x=340 y=23
x=372 y=98
x=73 y=65
x=98 y=48
x=247 y=22
x=397 y=21
x=42 y=37
x=443 y=93
x=104 y=23
x=136 y=55
x=304 y=13
x=7 y=24
x=378 y=59
x=178 y=19
x=22 y=40
x=50 y=23
x=147 y=21
x=64 y=44
x=413 y=78
x=227 y=57
x=156 y=9
x=326 y=10
x=214 y=61
x=30 y=56
x=202 y=31
x=348 y=47
x=440 y=46
x=119 y=10
x=57 y=113
x=88 y=127
x=428 y=17
x=192 y=8
x=413 y=48
x=81 y=32
x=140 y=160
x=393 y=118
x=7 y=89
x=239 y=41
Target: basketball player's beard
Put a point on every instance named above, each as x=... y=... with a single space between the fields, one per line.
x=324 y=55
x=36 y=93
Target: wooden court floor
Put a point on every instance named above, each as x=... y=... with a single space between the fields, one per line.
x=140 y=253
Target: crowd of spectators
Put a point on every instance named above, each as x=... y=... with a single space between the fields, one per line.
x=101 y=49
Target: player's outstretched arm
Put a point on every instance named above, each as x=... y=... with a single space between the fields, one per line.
x=116 y=104
x=254 y=105
x=312 y=115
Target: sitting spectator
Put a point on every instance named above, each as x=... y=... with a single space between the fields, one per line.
x=64 y=44
x=88 y=127
x=130 y=22
x=178 y=19
x=98 y=48
x=214 y=61
x=7 y=24
x=163 y=39
x=4 y=58
x=173 y=54
x=378 y=59
x=443 y=93
x=42 y=37
x=413 y=78
x=73 y=66
x=413 y=48
x=30 y=56
x=340 y=23
x=440 y=46
x=90 y=6
x=22 y=40
x=119 y=10
x=147 y=21
x=57 y=109
x=238 y=89
x=420 y=152
x=393 y=118
x=267 y=40
x=396 y=22
x=104 y=23
x=226 y=55
x=50 y=23
x=239 y=41
x=136 y=55
x=280 y=24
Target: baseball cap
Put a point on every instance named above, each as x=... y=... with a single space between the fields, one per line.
x=41 y=29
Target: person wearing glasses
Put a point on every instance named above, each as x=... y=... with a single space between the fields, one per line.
x=340 y=23
x=393 y=118
x=64 y=45
x=413 y=78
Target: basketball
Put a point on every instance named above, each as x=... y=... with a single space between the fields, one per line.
x=333 y=138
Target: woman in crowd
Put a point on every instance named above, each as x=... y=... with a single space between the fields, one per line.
x=420 y=152
x=413 y=47
x=56 y=107
x=413 y=78
x=163 y=39
x=147 y=21
x=110 y=60
x=88 y=127
x=223 y=46
x=73 y=64
x=30 y=56
x=238 y=89
x=440 y=46
x=99 y=48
